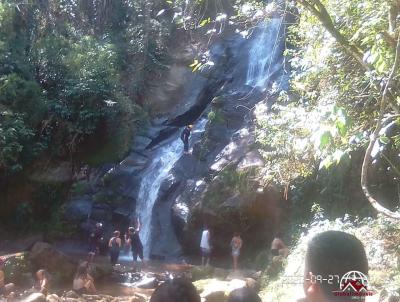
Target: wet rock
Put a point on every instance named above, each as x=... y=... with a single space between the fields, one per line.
x=71 y=294
x=213 y=288
x=252 y=159
x=220 y=273
x=100 y=270
x=53 y=298
x=253 y=284
x=168 y=185
x=78 y=209
x=100 y=212
x=147 y=282
x=45 y=256
x=202 y=272
x=20 y=244
x=215 y=296
x=35 y=297
x=234 y=151
x=141 y=142
x=132 y=164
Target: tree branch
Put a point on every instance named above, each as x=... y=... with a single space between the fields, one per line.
x=319 y=11
x=374 y=137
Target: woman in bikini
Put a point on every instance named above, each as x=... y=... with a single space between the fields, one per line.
x=236 y=244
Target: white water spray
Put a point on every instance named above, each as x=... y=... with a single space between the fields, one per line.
x=264 y=53
x=163 y=161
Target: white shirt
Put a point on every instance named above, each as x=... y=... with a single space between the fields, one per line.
x=205 y=240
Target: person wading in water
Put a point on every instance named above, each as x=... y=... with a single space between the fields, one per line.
x=95 y=241
x=185 y=138
x=115 y=246
x=135 y=242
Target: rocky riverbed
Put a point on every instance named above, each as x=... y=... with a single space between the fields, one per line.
x=121 y=283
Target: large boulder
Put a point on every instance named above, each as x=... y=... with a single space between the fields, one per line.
x=45 y=256
x=53 y=298
x=216 y=290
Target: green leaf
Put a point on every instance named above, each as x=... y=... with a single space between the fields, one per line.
x=326 y=163
x=384 y=140
x=324 y=139
x=204 y=22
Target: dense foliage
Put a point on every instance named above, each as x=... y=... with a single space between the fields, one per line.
x=72 y=74
x=342 y=53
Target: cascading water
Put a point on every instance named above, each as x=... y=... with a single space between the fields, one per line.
x=265 y=53
x=162 y=163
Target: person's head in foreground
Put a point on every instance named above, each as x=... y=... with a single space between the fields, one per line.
x=330 y=255
x=243 y=295
x=176 y=290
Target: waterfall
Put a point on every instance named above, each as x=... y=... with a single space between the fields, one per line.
x=265 y=50
x=163 y=161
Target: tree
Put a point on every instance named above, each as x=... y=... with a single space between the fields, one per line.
x=389 y=92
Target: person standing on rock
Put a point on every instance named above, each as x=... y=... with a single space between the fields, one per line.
x=185 y=138
x=205 y=246
x=115 y=245
x=278 y=247
x=95 y=240
x=236 y=245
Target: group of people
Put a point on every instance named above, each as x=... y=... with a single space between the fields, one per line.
x=278 y=247
x=329 y=254
x=82 y=283
x=116 y=244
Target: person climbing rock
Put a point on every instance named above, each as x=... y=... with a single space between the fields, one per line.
x=115 y=245
x=5 y=289
x=205 y=246
x=278 y=247
x=95 y=241
x=331 y=255
x=185 y=138
x=236 y=245
x=135 y=242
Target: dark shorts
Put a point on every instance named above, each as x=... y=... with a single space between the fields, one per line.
x=205 y=252
x=186 y=146
x=2 y=291
x=137 y=252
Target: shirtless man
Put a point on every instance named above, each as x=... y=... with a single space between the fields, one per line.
x=278 y=247
x=5 y=289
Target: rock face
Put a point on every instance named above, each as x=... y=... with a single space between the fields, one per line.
x=45 y=256
x=219 y=182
